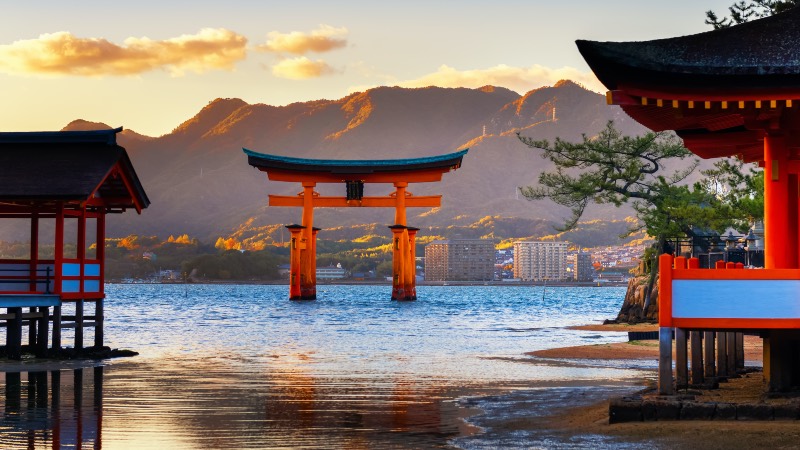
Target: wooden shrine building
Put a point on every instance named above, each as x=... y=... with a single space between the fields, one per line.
x=732 y=92
x=353 y=174
x=61 y=184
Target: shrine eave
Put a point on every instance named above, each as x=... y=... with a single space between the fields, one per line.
x=375 y=170
x=84 y=168
x=720 y=90
x=751 y=58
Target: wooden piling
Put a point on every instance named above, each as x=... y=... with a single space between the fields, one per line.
x=32 y=329
x=681 y=360
x=56 y=328
x=697 y=357
x=708 y=348
x=98 y=323
x=731 y=338
x=665 y=386
x=41 y=338
x=722 y=355
x=740 y=350
x=79 y=324
x=14 y=334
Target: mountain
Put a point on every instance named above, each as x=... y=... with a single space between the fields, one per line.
x=199 y=182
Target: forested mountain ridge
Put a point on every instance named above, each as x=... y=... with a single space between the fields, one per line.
x=199 y=182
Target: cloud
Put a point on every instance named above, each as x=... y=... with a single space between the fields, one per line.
x=323 y=39
x=62 y=53
x=520 y=79
x=301 y=68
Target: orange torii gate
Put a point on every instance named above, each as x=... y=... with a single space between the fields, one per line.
x=353 y=173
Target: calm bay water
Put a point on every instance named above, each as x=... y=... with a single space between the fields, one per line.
x=243 y=367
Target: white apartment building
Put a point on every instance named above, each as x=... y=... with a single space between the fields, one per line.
x=540 y=260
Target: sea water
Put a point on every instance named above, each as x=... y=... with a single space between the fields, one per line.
x=241 y=366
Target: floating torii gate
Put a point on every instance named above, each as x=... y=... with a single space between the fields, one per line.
x=353 y=174
x=727 y=92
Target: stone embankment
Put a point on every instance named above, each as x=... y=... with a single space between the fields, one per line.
x=740 y=398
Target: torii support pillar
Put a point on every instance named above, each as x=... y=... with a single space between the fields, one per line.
x=308 y=276
x=400 y=263
x=295 y=246
x=412 y=262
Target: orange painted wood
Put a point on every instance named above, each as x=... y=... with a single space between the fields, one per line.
x=424 y=201
x=665 y=290
x=700 y=94
x=745 y=274
x=732 y=324
x=412 y=176
x=779 y=253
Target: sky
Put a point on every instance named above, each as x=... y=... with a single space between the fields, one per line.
x=148 y=66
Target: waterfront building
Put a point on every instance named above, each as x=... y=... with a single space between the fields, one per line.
x=540 y=260
x=331 y=272
x=459 y=260
x=584 y=270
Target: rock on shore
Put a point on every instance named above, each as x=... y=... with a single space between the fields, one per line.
x=633 y=310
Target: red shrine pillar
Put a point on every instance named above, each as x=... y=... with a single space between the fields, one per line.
x=412 y=266
x=294 y=261
x=781 y=249
x=780 y=206
x=308 y=289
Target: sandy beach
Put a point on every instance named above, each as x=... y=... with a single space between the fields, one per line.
x=672 y=434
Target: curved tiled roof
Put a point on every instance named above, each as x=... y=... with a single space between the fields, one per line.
x=51 y=166
x=763 y=53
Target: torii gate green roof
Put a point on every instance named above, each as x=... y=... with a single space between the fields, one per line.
x=351 y=166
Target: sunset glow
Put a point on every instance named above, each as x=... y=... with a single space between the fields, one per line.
x=151 y=66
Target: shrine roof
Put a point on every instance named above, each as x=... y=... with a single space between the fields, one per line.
x=49 y=166
x=354 y=167
x=761 y=54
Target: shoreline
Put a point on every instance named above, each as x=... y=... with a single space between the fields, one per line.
x=386 y=283
x=593 y=418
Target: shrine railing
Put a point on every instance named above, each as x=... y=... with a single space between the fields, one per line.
x=728 y=297
x=78 y=279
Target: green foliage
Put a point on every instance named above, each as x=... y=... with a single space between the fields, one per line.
x=234 y=265
x=745 y=11
x=616 y=169
x=739 y=185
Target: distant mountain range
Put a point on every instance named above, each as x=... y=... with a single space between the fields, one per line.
x=199 y=182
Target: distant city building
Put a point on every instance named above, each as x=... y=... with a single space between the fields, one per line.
x=540 y=260
x=460 y=260
x=331 y=272
x=584 y=270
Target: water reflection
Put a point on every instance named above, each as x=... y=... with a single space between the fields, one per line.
x=350 y=370
x=41 y=414
x=218 y=404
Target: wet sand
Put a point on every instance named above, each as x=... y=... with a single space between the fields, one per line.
x=593 y=419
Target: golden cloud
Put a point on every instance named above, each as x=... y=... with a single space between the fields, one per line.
x=301 y=68
x=323 y=39
x=65 y=54
x=518 y=79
